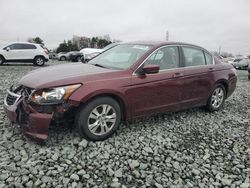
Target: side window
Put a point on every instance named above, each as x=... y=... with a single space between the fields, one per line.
x=209 y=58
x=12 y=46
x=17 y=46
x=193 y=57
x=29 y=46
x=166 y=58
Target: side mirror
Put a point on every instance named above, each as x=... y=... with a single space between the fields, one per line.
x=150 y=69
x=7 y=49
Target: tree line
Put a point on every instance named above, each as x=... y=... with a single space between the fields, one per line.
x=71 y=45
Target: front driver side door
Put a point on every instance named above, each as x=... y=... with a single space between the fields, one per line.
x=12 y=53
x=158 y=92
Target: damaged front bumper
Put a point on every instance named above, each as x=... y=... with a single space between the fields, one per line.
x=33 y=121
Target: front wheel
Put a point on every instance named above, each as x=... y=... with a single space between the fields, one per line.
x=62 y=58
x=1 y=60
x=39 y=61
x=99 y=119
x=217 y=98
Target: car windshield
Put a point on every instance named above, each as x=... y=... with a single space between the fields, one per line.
x=245 y=61
x=120 y=57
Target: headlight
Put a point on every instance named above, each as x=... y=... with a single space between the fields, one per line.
x=54 y=95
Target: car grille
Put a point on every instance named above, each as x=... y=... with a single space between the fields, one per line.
x=10 y=99
x=14 y=94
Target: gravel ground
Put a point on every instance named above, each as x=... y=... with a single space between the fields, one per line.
x=193 y=148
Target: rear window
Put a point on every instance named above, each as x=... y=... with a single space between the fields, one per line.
x=209 y=59
x=193 y=57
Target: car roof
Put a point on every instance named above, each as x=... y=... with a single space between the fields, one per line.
x=164 y=43
x=161 y=43
x=25 y=43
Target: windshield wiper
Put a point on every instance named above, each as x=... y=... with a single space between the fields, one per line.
x=98 y=65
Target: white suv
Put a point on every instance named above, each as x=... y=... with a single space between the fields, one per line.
x=24 y=52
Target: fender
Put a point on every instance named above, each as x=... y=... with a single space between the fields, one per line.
x=80 y=97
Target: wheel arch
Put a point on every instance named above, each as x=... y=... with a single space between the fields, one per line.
x=116 y=97
x=38 y=56
x=224 y=83
x=2 y=57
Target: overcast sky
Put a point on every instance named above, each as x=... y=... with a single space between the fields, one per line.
x=209 y=23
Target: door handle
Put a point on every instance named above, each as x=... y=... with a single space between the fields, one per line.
x=177 y=75
x=211 y=69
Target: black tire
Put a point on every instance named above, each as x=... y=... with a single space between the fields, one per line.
x=249 y=76
x=39 y=61
x=62 y=58
x=1 y=60
x=210 y=103
x=84 y=118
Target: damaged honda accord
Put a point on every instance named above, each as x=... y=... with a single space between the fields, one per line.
x=128 y=81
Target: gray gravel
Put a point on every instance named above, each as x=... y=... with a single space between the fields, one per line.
x=192 y=148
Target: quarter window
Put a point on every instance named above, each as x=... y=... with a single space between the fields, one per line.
x=166 y=58
x=193 y=57
x=209 y=59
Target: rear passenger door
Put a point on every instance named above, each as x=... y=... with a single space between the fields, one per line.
x=198 y=77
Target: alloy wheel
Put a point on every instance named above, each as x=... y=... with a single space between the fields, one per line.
x=102 y=119
x=217 y=97
x=39 y=61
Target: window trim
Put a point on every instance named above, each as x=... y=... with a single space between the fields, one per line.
x=202 y=51
x=181 y=57
x=164 y=70
x=199 y=48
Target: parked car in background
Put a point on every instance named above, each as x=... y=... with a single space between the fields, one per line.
x=62 y=56
x=89 y=54
x=248 y=72
x=75 y=56
x=128 y=81
x=241 y=64
x=237 y=59
x=24 y=52
x=52 y=55
x=88 y=57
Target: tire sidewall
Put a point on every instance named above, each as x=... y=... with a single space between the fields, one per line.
x=209 y=103
x=83 y=115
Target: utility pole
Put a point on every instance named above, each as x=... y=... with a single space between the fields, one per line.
x=167 y=36
x=219 y=50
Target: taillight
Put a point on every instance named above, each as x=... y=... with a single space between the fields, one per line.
x=46 y=51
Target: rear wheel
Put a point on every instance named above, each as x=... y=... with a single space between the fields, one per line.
x=39 y=61
x=99 y=119
x=1 y=60
x=217 y=98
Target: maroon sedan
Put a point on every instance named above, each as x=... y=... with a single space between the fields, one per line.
x=126 y=82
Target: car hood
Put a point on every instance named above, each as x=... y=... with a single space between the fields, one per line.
x=59 y=75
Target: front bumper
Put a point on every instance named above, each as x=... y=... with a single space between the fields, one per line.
x=32 y=123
